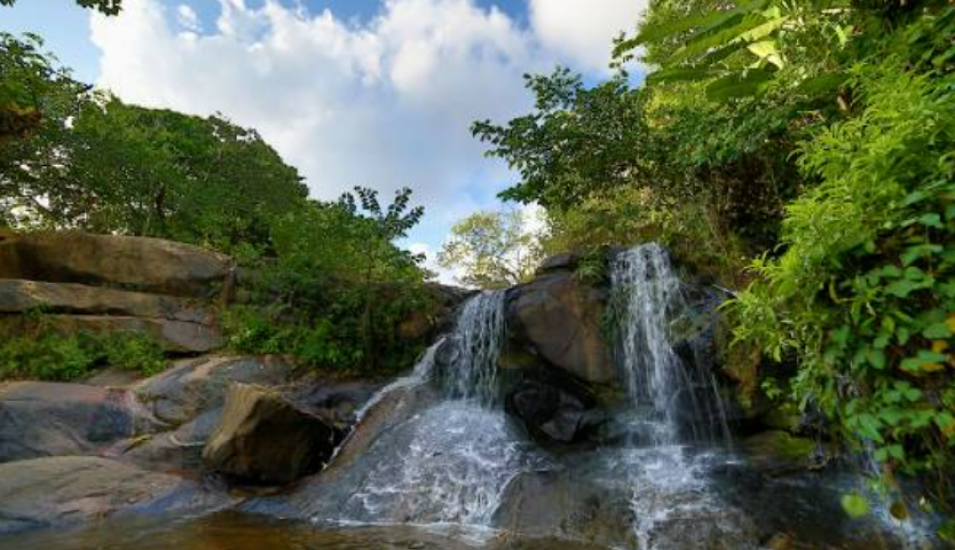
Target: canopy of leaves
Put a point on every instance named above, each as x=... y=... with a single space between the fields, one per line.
x=491 y=250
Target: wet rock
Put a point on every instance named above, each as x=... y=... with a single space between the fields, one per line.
x=19 y=296
x=776 y=451
x=263 y=438
x=139 y=263
x=59 y=491
x=559 y=319
x=174 y=336
x=555 y=412
x=198 y=385
x=40 y=419
x=561 y=505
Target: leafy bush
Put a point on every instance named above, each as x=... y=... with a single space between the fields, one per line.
x=864 y=293
x=52 y=357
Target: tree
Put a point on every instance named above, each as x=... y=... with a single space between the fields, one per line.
x=107 y=7
x=492 y=250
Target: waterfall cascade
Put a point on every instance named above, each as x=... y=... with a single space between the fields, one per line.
x=478 y=337
x=673 y=402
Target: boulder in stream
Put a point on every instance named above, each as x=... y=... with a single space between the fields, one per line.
x=262 y=438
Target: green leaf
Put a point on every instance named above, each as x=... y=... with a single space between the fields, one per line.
x=924 y=361
x=855 y=505
x=749 y=83
x=931 y=220
x=937 y=331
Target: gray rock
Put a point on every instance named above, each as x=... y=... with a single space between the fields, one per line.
x=59 y=491
x=179 y=450
x=263 y=438
x=199 y=385
x=40 y=419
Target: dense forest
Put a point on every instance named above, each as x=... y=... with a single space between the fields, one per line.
x=799 y=154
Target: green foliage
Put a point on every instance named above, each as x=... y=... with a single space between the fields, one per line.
x=53 y=357
x=338 y=287
x=492 y=250
x=107 y=7
x=863 y=293
x=27 y=75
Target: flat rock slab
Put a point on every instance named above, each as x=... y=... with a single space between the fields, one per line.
x=39 y=419
x=139 y=263
x=174 y=336
x=59 y=491
x=195 y=386
x=20 y=296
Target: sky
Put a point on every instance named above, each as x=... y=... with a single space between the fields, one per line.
x=377 y=93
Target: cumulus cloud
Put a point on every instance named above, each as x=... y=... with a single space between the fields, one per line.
x=583 y=32
x=384 y=102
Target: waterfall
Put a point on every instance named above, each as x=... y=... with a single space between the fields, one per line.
x=447 y=456
x=478 y=337
x=673 y=402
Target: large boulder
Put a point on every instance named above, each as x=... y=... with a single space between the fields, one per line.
x=59 y=491
x=149 y=265
x=195 y=386
x=19 y=296
x=40 y=419
x=173 y=336
x=263 y=438
x=559 y=319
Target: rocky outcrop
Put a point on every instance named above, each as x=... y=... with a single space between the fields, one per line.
x=195 y=386
x=39 y=419
x=559 y=320
x=173 y=336
x=149 y=265
x=262 y=438
x=60 y=491
x=106 y=284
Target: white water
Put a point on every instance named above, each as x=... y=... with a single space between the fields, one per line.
x=449 y=462
x=478 y=337
x=666 y=482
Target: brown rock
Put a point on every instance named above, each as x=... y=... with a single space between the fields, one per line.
x=265 y=439
x=195 y=386
x=19 y=296
x=149 y=265
x=560 y=319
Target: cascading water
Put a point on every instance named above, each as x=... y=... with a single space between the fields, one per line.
x=665 y=482
x=479 y=335
x=450 y=458
x=664 y=391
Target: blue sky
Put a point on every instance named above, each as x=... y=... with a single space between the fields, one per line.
x=378 y=93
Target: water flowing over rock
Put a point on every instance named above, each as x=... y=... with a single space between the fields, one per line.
x=675 y=400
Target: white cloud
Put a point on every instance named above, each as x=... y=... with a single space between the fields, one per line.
x=188 y=18
x=583 y=32
x=385 y=102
